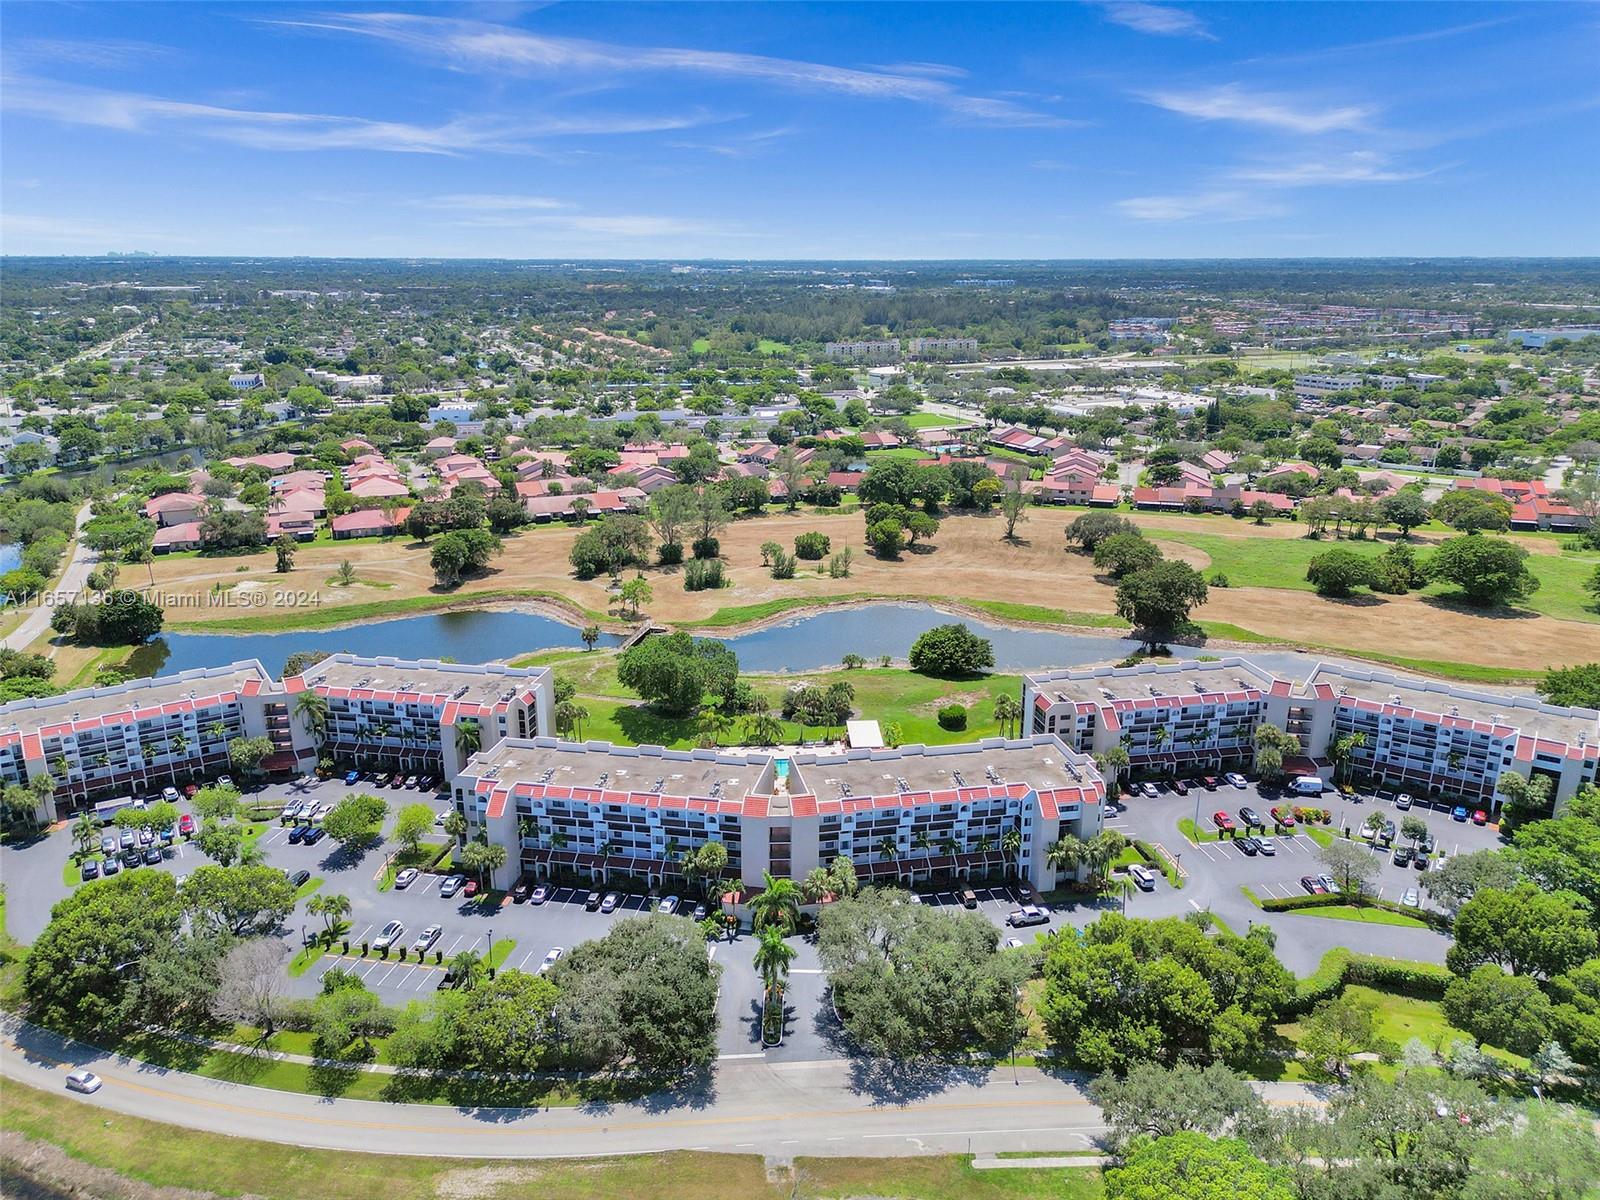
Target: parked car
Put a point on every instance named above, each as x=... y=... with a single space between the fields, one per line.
x=969 y=898
x=170 y=795
x=551 y=959
x=152 y=855
x=452 y=885
x=227 y=782
x=111 y=866
x=427 y=938
x=314 y=835
x=90 y=869
x=1458 y=813
x=1209 y=782
x=108 y=844
x=1180 y=787
x=83 y=1081
x=592 y=901
x=169 y=835
x=449 y=980
x=131 y=857
x=1111 y=810
x=1386 y=835
x=411 y=781
x=1313 y=885
x=1329 y=882
x=1267 y=846
x=1479 y=817
x=1411 y=899
x=1249 y=846
x=540 y=895
x=1250 y=816
x=1420 y=859
x=699 y=913
x=186 y=825
x=1014 y=943
x=1223 y=821
x=1028 y=914
x=1148 y=788
x=470 y=888
x=1238 y=780
x=1403 y=801
x=189 y=789
x=1429 y=842
x=146 y=836
x=126 y=838
x=609 y=904
x=1402 y=856
x=520 y=892
x=388 y=935
x=299 y=879
x=1284 y=815
x=298 y=834
x=406 y=878
x=1143 y=877
x=352 y=776
x=398 y=779
x=668 y=905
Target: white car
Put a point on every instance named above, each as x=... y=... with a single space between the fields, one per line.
x=1266 y=845
x=1238 y=780
x=388 y=935
x=226 y=781
x=1404 y=801
x=1013 y=943
x=1149 y=789
x=170 y=795
x=427 y=938
x=86 y=1082
x=1028 y=914
x=406 y=877
x=1411 y=899
x=668 y=905
x=551 y=958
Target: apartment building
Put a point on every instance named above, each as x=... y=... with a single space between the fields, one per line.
x=1179 y=716
x=1440 y=740
x=419 y=714
x=868 y=352
x=900 y=815
x=942 y=346
x=1422 y=736
x=143 y=735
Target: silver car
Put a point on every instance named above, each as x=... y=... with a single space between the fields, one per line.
x=427 y=938
x=86 y=1082
x=388 y=935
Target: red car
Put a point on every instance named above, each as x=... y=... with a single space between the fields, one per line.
x=1284 y=817
x=186 y=825
x=1223 y=821
x=471 y=888
x=1480 y=817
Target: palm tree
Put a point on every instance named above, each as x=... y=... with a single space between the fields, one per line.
x=1007 y=711
x=1114 y=763
x=778 y=903
x=331 y=907
x=84 y=832
x=888 y=848
x=312 y=709
x=949 y=846
x=817 y=884
x=469 y=738
x=714 y=723
x=922 y=841
x=1066 y=854
x=467 y=966
x=1011 y=843
x=590 y=635
x=1163 y=736
x=773 y=956
x=455 y=824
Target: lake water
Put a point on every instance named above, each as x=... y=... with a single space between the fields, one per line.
x=805 y=643
x=10 y=556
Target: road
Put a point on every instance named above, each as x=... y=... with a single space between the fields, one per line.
x=102 y=349
x=831 y=1108
x=37 y=622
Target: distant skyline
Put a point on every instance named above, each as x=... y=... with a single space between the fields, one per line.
x=1121 y=129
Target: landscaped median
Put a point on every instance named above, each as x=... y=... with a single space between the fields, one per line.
x=1354 y=907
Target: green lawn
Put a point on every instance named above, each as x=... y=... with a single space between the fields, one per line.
x=1370 y=916
x=308 y=887
x=927 y=420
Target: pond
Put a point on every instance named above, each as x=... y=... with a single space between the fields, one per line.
x=10 y=556
x=804 y=643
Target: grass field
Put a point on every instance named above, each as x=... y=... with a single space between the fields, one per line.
x=1368 y=916
x=163 y=1156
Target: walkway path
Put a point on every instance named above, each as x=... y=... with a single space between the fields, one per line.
x=832 y=1108
x=72 y=580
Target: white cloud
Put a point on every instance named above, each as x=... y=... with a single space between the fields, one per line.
x=269 y=130
x=100 y=53
x=485 y=48
x=1233 y=103
x=1221 y=205
x=1361 y=166
x=1158 y=19
x=620 y=225
x=489 y=202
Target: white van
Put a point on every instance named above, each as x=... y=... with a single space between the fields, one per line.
x=1143 y=876
x=1308 y=785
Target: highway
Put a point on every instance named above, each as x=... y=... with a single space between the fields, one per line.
x=842 y=1107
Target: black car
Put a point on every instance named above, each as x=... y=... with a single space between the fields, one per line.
x=299 y=878
x=152 y=854
x=521 y=891
x=1180 y=787
x=1249 y=845
x=448 y=980
x=131 y=857
x=1428 y=842
x=111 y=866
x=1402 y=856
x=1250 y=816
x=298 y=833
x=1420 y=862
x=91 y=869
x=313 y=835
x=593 y=902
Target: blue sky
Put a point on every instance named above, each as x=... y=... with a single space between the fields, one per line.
x=1119 y=129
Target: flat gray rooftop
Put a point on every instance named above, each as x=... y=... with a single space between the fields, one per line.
x=1522 y=713
x=1182 y=679
x=681 y=773
x=1041 y=764
x=471 y=683
x=90 y=704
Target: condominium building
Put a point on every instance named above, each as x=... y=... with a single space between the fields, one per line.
x=419 y=715
x=1431 y=738
x=870 y=352
x=903 y=814
x=1169 y=715
x=942 y=346
x=142 y=735
x=1443 y=740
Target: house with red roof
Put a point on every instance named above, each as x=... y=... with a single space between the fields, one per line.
x=175 y=508
x=368 y=522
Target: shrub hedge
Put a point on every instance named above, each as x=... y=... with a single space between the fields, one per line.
x=953 y=716
x=1341 y=967
x=1332 y=899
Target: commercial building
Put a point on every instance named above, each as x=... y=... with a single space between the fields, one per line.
x=906 y=814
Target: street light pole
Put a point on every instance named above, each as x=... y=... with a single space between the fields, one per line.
x=1016 y=1003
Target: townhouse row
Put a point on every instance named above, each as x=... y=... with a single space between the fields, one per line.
x=1420 y=736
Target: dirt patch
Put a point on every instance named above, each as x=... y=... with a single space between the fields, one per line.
x=34 y=1170
x=1198 y=559
x=474 y=1183
x=969 y=560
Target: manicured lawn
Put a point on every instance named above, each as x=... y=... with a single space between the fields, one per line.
x=1194 y=833
x=1401 y=1018
x=928 y=420
x=308 y=887
x=1370 y=916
